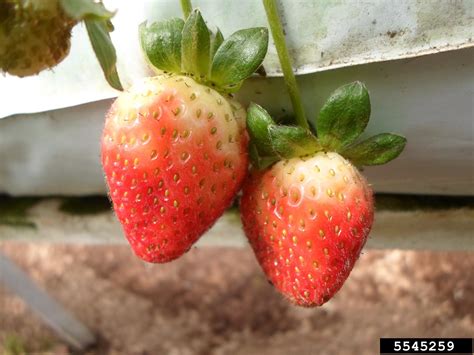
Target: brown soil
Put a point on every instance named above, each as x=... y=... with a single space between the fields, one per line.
x=216 y=301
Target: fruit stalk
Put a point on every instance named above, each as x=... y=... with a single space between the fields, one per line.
x=285 y=62
x=187 y=8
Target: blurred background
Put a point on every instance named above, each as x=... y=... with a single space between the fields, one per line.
x=60 y=243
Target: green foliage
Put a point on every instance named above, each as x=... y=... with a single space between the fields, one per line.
x=86 y=9
x=189 y=48
x=261 y=151
x=261 y=162
x=270 y=141
x=98 y=23
x=216 y=41
x=196 y=46
x=292 y=141
x=258 y=121
x=161 y=43
x=376 y=150
x=344 y=116
x=239 y=56
x=99 y=36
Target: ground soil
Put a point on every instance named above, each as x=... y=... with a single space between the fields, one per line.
x=217 y=301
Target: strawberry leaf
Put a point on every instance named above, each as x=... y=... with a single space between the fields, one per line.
x=97 y=20
x=86 y=9
x=216 y=41
x=292 y=141
x=239 y=56
x=344 y=116
x=98 y=31
x=195 y=46
x=161 y=44
x=376 y=150
x=258 y=121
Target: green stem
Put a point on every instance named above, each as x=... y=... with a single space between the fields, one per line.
x=187 y=8
x=285 y=62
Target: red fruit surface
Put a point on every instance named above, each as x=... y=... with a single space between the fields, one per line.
x=174 y=153
x=307 y=220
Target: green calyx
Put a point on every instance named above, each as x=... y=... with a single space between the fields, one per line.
x=341 y=121
x=190 y=48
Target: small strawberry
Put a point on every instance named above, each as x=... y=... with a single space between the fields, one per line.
x=174 y=147
x=34 y=35
x=307 y=220
x=308 y=216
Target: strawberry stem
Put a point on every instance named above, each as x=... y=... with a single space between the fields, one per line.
x=187 y=8
x=285 y=62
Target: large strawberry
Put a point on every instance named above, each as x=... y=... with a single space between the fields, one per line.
x=174 y=146
x=308 y=216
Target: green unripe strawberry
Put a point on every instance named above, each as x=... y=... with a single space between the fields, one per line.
x=34 y=35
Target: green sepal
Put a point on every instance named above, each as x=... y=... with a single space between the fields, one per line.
x=86 y=9
x=258 y=122
x=260 y=162
x=216 y=41
x=98 y=31
x=344 y=116
x=292 y=141
x=161 y=44
x=376 y=150
x=195 y=46
x=239 y=56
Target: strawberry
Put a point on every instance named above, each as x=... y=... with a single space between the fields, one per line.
x=34 y=35
x=308 y=216
x=174 y=154
x=307 y=220
x=174 y=146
